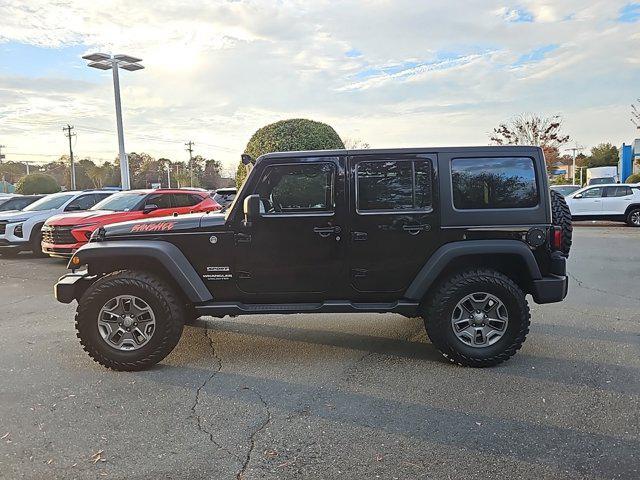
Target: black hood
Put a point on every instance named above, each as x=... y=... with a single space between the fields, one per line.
x=150 y=226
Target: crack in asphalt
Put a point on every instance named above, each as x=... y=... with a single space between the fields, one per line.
x=582 y=285
x=251 y=439
x=196 y=402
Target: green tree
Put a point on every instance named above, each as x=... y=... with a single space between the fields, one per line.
x=37 y=183
x=602 y=155
x=289 y=135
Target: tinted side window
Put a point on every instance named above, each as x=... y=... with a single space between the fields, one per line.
x=185 y=200
x=159 y=199
x=83 y=202
x=593 y=193
x=393 y=185
x=621 y=191
x=102 y=196
x=499 y=182
x=300 y=188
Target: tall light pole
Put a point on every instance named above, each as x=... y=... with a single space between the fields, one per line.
x=575 y=149
x=103 y=61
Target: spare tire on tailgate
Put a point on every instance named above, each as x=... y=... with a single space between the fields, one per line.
x=561 y=217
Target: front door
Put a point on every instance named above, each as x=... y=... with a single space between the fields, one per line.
x=393 y=222
x=293 y=252
x=590 y=203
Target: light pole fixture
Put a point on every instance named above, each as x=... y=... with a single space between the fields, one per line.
x=104 y=61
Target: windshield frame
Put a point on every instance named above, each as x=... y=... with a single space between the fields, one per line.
x=44 y=200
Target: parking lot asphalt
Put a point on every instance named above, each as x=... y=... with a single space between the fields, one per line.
x=330 y=396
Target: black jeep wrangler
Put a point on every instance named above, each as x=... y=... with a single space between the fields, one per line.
x=457 y=236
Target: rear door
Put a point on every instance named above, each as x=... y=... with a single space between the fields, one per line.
x=393 y=221
x=616 y=200
x=184 y=202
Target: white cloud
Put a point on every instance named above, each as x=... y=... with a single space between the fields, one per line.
x=425 y=73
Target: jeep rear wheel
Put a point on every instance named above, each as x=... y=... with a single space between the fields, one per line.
x=129 y=320
x=477 y=318
x=561 y=217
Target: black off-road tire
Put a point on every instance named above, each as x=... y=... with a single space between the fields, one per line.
x=630 y=217
x=438 y=310
x=561 y=217
x=168 y=308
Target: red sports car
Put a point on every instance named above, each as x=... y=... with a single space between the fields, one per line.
x=63 y=234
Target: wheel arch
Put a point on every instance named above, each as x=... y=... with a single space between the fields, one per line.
x=159 y=257
x=511 y=257
x=633 y=206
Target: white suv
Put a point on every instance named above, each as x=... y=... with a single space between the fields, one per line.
x=21 y=230
x=615 y=201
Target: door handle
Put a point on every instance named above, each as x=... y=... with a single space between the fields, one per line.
x=416 y=229
x=325 y=232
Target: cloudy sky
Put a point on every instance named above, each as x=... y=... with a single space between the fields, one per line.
x=393 y=73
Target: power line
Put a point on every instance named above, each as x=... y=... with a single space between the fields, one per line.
x=189 y=146
x=68 y=134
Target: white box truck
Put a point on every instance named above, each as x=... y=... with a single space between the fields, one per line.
x=600 y=175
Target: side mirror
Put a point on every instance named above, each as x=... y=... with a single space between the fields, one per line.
x=72 y=208
x=251 y=209
x=577 y=195
x=150 y=207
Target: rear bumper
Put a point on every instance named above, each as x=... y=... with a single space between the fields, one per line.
x=550 y=289
x=70 y=287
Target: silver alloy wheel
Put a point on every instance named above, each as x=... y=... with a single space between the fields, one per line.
x=479 y=320
x=126 y=322
x=635 y=218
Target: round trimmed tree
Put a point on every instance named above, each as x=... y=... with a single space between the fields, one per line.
x=37 y=183
x=289 y=135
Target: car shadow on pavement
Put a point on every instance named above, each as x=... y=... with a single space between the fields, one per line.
x=397 y=347
x=615 y=378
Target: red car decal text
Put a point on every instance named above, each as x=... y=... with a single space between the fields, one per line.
x=153 y=227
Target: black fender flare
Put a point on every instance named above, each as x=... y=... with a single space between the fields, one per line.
x=450 y=251
x=165 y=253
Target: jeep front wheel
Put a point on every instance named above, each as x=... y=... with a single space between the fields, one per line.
x=129 y=320
x=477 y=318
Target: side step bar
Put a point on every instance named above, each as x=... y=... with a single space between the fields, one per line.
x=220 y=309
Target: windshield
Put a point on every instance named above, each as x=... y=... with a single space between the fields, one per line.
x=120 y=202
x=602 y=181
x=50 y=202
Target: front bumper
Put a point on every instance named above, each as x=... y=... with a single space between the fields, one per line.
x=550 y=289
x=14 y=245
x=60 y=251
x=71 y=286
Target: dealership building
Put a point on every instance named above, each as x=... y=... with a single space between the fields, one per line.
x=629 y=159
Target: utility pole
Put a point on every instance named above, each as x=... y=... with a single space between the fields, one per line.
x=168 y=175
x=189 y=146
x=68 y=134
x=575 y=149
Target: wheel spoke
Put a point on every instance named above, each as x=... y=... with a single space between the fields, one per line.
x=479 y=319
x=126 y=322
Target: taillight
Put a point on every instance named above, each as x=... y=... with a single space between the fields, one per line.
x=556 y=238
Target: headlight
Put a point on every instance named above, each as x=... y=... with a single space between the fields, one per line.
x=17 y=230
x=16 y=220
